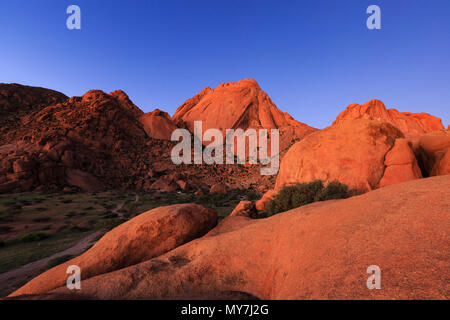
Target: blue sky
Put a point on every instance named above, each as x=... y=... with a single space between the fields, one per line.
x=313 y=57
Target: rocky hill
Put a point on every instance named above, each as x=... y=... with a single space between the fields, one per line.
x=102 y=140
x=242 y=105
x=411 y=124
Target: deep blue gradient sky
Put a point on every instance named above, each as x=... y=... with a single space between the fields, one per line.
x=313 y=57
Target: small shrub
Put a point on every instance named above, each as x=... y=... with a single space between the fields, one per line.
x=291 y=197
x=251 y=195
x=9 y=203
x=42 y=219
x=108 y=223
x=109 y=215
x=31 y=237
x=108 y=206
x=5 y=229
x=14 y=209
x=59 y=260
x=79 y=229
x=6 y=219
x=25 y=202
x=38 y=200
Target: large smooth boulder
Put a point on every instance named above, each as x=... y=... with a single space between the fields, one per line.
x=148 y=235
x=351 y=152
x=319 y=251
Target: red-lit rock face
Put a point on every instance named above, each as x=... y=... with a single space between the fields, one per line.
x=352 y=152
x=411 y=124
x=158 y=124
x=240 y=105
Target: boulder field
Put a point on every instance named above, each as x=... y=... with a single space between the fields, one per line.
x=94 y=142
x=319 y=251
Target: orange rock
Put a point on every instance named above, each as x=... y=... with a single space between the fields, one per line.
x=436 y=143
x=443 y=167
x=319 y=251
x=244 y=209
x=433 y=151
x=240 y=105
x=261 y=204
x=158 y=125
x=411 y=124
x=219 y=188
x=83 y=180
x=148 y=235
x=164 y=184
x=401 y=164
x=351 y=152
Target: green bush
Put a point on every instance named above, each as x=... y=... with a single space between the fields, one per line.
x=291 y=197
x=252 y=195
x=31 y=237
x=334 y=190
x=109 y=224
